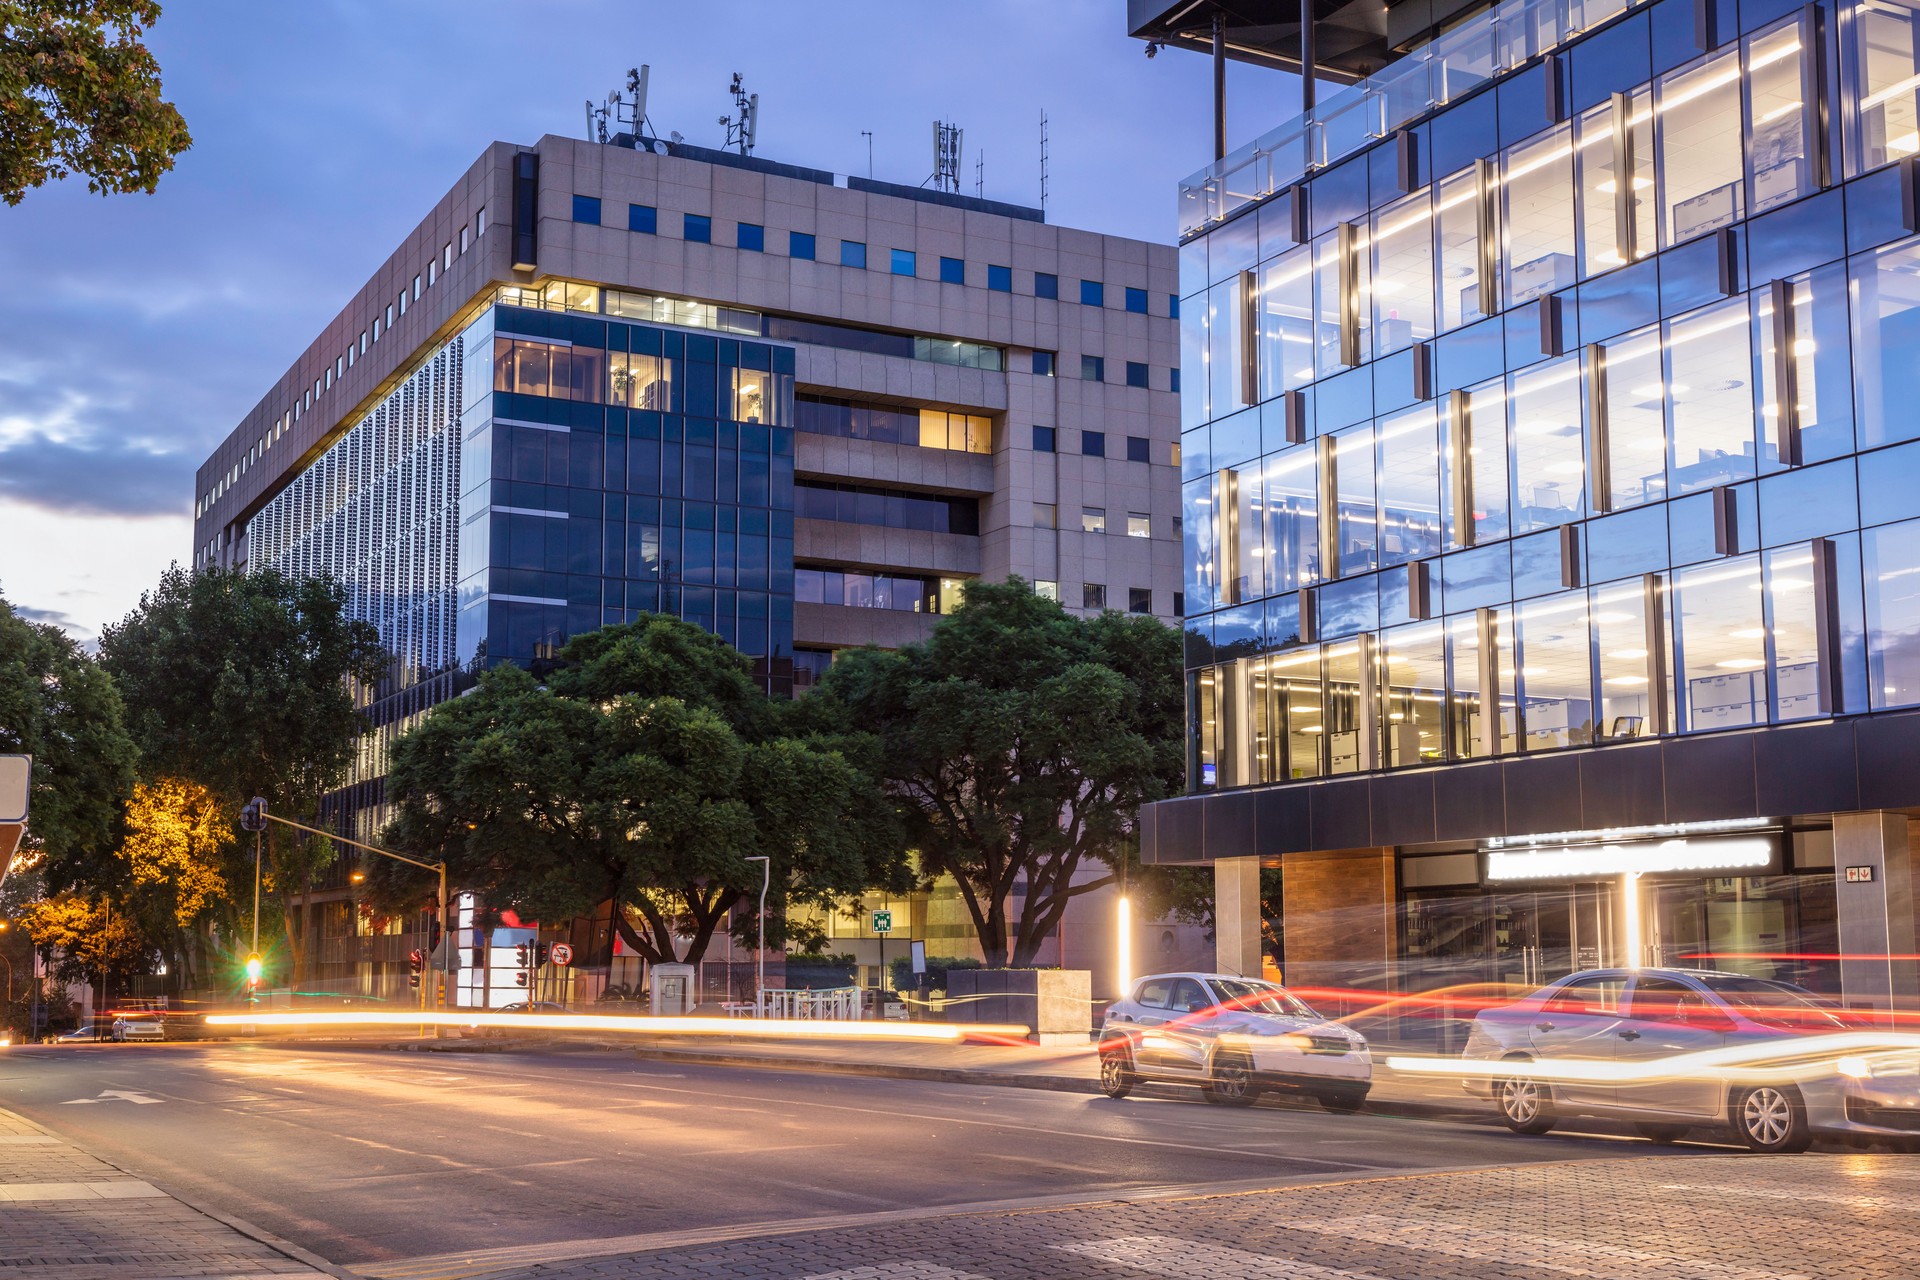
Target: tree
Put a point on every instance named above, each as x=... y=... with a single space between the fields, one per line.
x=644 y=772
x=1019 y=742
x=243 y=683
x=60 y=707
x=94 y=941
x=80 y=93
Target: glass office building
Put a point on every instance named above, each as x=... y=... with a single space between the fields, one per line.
x=1551 y=448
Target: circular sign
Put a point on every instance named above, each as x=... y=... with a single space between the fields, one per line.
x=561 y=953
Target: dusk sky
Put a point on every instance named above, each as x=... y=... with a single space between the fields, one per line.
x=141 y=328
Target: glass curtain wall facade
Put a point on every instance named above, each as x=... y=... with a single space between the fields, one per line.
x=1580 y=411
x=614 y=467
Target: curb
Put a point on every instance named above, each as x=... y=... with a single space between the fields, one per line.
x=1009 y=1080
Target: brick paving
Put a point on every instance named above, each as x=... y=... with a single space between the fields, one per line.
x=67 y=1216
x=1815 y=1217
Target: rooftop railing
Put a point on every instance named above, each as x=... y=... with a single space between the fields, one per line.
x=1446 y=69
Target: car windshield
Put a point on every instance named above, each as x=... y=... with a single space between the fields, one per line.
x=1776 y=1003
x=1261 y=997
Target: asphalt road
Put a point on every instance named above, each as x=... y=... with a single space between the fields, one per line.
x=364 y=1155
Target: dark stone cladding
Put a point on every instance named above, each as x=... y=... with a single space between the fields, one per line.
x=1866 y=762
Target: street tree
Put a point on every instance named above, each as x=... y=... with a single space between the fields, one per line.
x=80 y=93
x=644 y=772
x=244 y=684
x=61 y=707
x=1019 y=742
x=1186 y=894
x=89 y=938
x=181 y=859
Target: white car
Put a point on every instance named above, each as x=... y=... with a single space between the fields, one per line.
x=1234 y=1037
x=125 y=1029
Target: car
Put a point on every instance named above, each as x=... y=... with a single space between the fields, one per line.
x=1632 y=1019
x=518 y=1006
x=85 y=1033
x=125 y=1029
x=1234 y=1037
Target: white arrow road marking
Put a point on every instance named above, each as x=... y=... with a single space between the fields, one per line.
x=110 y=1095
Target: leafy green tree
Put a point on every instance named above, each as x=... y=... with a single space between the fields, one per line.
x=244 y=683
x=1019 y=742
x=80 y=93
x=1186 y=895
x=644 y=772
x=61 y=707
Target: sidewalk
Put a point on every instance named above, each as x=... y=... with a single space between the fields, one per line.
x=66 y=1216
x=1066 y=1069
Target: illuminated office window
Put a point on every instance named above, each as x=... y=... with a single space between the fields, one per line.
x=1701 y=163
x=1709 y=389
x=1401 y=242
x=1539 y=216
x=1549 y=468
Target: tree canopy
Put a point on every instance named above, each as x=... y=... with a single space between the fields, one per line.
x=58 y=706
x=1019 y=741
x=80 y=93
x=644 y=771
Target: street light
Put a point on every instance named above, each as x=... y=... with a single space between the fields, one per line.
x=760 y=951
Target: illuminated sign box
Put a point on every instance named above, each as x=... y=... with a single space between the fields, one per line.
x=1602 y=859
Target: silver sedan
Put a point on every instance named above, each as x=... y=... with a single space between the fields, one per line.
x=1671 y=1050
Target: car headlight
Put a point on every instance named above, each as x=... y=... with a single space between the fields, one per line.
x=1854 y=1067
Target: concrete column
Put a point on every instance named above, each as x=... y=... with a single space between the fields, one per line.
x=1236 y=916
x=1875 y=914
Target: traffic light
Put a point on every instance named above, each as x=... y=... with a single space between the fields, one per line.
x=540 y=952
x=520 y=954
x=253 y=970
x=416 y=963
x=253 y=814
x=520 y=978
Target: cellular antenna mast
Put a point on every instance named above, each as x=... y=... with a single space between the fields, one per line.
x=1043 y=164
x=630 y=109
x=980 y=174
x=744 y=124
x=946 y=157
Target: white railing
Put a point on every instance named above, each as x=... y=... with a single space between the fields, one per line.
x=1446 y=68
x=840 y=1004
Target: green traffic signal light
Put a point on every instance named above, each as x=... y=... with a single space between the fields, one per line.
x=253 y=968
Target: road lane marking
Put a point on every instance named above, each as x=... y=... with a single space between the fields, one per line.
x=115 y=1189
x=915 y=1270
x=112 y=1095
x=1197 y=1260
x=27 y=1140
x=1758 y=1193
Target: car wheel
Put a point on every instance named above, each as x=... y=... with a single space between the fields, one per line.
x=1772 y=1119
x=1663 y=1134
x=1343 y=1103
x=1523 y=1104
x=1117 y=1076
x=1230 y=1081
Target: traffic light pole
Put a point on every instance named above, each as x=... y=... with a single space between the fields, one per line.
x=446 y=908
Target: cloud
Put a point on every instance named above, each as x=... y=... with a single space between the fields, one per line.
x=50 y=617
x=90 y=480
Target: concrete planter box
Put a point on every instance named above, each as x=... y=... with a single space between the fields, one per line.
x=1055 y=1004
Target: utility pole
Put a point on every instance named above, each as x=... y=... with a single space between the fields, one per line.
x=760 y=934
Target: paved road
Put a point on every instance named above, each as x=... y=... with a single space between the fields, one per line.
x=367 y=1156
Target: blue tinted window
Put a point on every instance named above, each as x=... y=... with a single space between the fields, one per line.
x=1476 y=578
x=1136 y=374
x=1092 y=294
x=1613 y=61
x=1890 y=485
x=1173 y=305
x=1176 y=381
x=1536 y=564
x=1093 y=444
x=953 y=271
x=853 y=254
x=698 y=228
x=1338 y=195
x=1137 y=301
x=1802 y=235
x=903 y=263
x=1808 y=502
x=1633 y=541
x=1619 y=301
x=1045 y=286
x=643 y=218
x=800 y=245
x=1000 y=279
x=1463 y=133
x=1043 y=440
x=587 y=209
x=1043 y=364
x=1093 y=368
x=1137 y=449
x=1347 y=607
x=753 y=237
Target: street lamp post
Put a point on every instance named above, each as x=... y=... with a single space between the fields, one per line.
x=760 y=936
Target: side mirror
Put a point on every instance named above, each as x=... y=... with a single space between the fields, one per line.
x=1198 y=1006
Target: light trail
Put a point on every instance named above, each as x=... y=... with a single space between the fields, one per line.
x=744 y=1028
x=1766 y=1061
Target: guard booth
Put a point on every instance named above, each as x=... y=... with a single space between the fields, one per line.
x=673 y=990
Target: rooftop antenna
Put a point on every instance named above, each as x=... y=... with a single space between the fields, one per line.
x=946 y=157
x=1043 y=164
x=630 y=108
x=868 y=135
x=744 y=124
x=980 y=174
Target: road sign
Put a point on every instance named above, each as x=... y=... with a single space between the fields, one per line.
x=561 y=953
x=917 y=951
x=883 y=922
x=14 y=774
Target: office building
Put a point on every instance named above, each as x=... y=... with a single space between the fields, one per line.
x=800 y=409
x=1551 y=476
